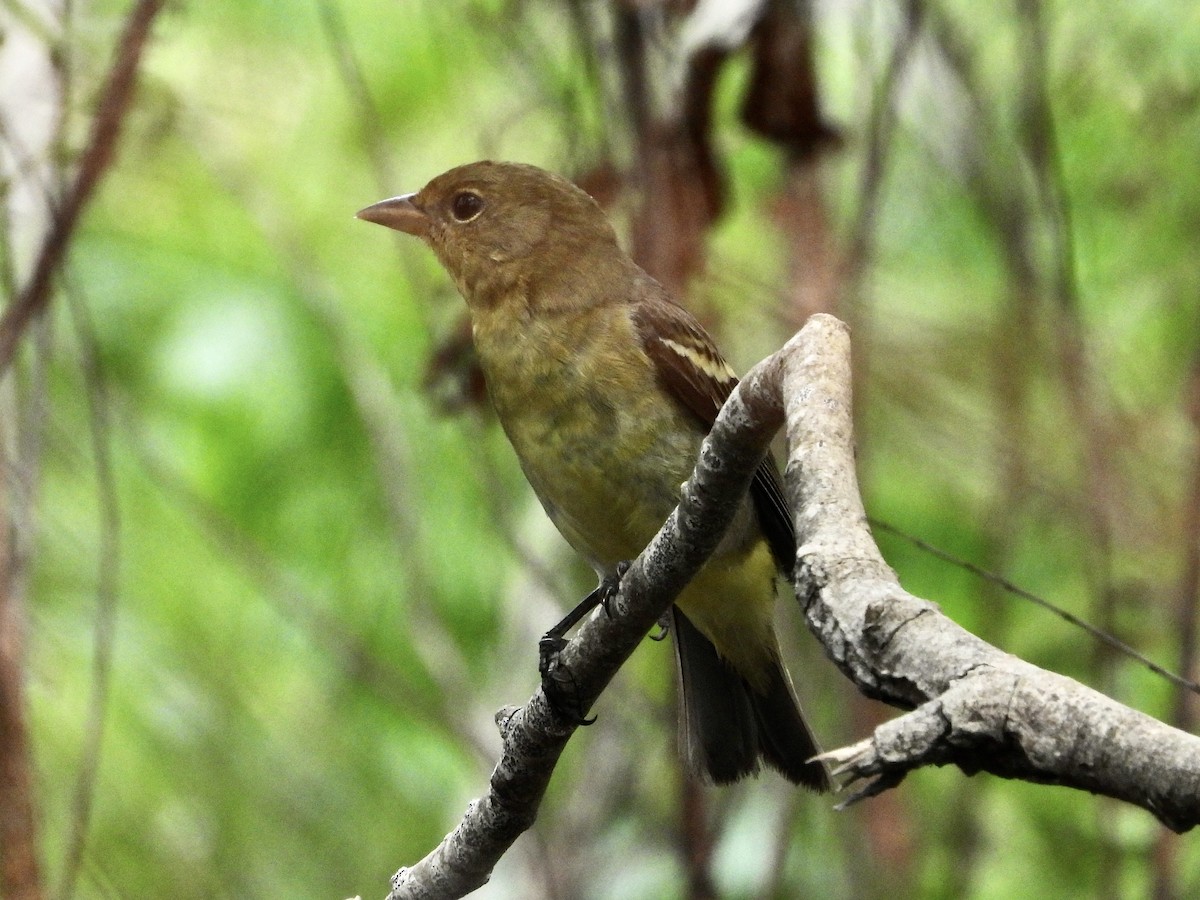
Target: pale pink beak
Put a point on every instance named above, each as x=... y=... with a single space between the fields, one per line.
x=399 y=213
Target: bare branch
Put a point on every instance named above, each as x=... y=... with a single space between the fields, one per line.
x=971 y=704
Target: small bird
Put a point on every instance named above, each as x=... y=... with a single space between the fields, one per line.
x=606 y=387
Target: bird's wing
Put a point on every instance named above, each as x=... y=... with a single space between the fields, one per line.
x=692 y=370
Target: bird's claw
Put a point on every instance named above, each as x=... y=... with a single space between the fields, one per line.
x=549 y=647
x=610 y=586
x=557 y=683
x=664 y=628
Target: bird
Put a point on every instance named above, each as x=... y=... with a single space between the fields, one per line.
x=606 y=386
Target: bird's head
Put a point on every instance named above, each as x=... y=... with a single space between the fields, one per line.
x=497 y=226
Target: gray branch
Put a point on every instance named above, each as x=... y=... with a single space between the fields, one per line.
x=971 y=704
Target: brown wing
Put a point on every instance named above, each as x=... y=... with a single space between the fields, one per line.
x=692 y=370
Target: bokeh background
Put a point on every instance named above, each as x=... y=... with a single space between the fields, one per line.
x=271 y=567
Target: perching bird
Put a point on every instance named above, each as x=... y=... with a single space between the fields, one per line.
x=606 y=388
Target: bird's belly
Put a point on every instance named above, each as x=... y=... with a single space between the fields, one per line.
x=607 y=481
x=609 y=502
x=606 y=457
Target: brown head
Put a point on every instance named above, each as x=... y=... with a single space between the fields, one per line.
x=500 y=226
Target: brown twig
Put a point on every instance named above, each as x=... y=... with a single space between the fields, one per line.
x=696 y=843
x=95 y=160
x=20 y=871
x=19 y=867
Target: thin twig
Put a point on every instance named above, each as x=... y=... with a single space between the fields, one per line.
x=95 y=160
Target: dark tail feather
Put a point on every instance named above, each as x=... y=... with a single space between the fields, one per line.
x=717 y=723
x=784 y=738
x=725 y=727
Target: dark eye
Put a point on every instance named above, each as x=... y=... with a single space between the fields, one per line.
x=466 y=205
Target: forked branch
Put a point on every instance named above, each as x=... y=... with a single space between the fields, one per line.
x=971 y=705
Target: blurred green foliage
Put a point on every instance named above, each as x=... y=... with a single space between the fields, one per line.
x=326 y=585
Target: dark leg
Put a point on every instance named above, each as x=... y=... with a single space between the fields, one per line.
x=555 y=680
x=554 y=640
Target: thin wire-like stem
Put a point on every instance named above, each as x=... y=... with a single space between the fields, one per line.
x=1099 y=634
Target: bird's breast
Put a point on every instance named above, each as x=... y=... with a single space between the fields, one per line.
x=604 y=449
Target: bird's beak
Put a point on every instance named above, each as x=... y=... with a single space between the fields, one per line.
x=399 y=213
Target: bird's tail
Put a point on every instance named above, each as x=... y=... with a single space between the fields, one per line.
x=727 y=727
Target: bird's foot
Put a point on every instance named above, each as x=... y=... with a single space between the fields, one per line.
x=557 y=682
x=610 y=586
x=664 y=627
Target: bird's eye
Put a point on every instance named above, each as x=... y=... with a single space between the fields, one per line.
x=466 y=205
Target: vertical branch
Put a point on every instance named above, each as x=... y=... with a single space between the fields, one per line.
x=1187 y=603
x=679 y=197
x=860 y=244
x=880 y=127
x=20 y=872
x=21 y=451
x=887 y=827
x=20 y=875
x=374 y=135
x=990 y=178
x=29 y=142
x=1075 y=363
x=630 y=45
x=666 y=260
x=696 y=841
